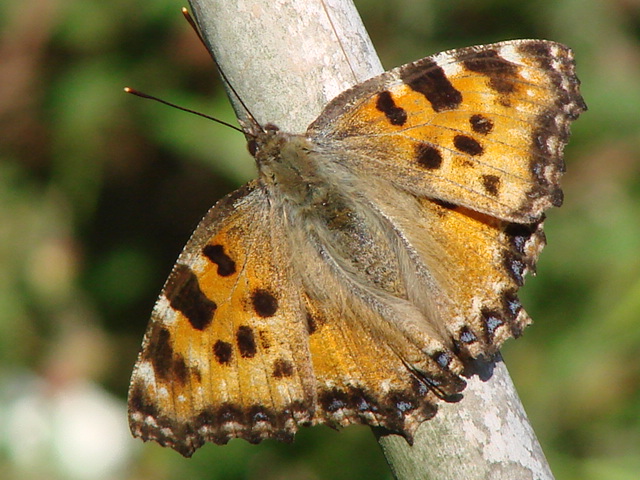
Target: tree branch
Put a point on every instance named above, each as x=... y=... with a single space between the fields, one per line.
x=287 y=59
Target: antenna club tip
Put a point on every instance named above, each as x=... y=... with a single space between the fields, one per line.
x=184 y=10
x=127 y=89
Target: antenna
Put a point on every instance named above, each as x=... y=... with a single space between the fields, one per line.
x=195 y=28
x=188 y=110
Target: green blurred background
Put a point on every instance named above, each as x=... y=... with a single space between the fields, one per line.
x=99 y=191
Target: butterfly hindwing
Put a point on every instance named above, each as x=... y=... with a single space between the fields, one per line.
x=465 y=270
x=368 y=372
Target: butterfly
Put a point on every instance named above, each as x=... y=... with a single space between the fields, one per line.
x=371 y=259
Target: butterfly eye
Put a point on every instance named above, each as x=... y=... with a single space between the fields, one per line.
x=252 y=146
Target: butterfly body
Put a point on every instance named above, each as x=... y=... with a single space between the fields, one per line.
x=345 y=248
x=325 y=208
x=373 y=256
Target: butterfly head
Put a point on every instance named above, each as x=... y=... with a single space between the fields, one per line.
x=259 y=136
x=285 y=162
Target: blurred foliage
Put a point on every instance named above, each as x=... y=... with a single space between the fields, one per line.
x=99 y=191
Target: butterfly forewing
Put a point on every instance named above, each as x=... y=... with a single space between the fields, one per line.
x=226 y=353
x=483 y=127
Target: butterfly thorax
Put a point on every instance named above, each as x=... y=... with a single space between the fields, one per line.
x=290 y=169
x=326 y=213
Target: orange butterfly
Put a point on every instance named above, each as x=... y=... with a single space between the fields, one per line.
x=373 y=256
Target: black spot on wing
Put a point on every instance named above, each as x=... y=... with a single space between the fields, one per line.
x=215 y=253
x=180 y=370
x=282 y=368
x=429 y=79
x=540 y=51
x=264 y=303
x=222 y=352
x=395 y=114
x=246 y=342
x=161 y=352
x=491 y=184
x=468 y=145
x=167 y=365
x=139 y=402
x=184 y=295
x=427 y=156
x=481 y=124
x=502 y=74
